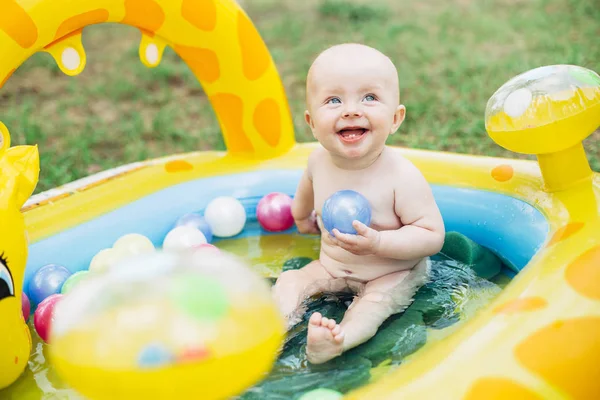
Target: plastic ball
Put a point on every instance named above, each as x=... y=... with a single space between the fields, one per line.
x=226 y=216
x=105 y=259
x=25 y=306
x=155 y=354
x=183 y=238
x=343 y=208
x=43 y=317
x=274 y=212
x=321 y=394
x=73 y=280
x=206 y=247
x=170 y=325
x=133 y=243
x=47 y=281
x=197 y=221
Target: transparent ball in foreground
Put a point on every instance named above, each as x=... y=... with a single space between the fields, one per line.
x=195 y=324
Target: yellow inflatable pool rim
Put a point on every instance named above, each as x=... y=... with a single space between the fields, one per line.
x=539 y=339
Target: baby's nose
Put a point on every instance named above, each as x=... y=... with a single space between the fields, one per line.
x=352 y=111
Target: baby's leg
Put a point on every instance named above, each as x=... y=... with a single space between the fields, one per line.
x=382 y=297
x=293 y=286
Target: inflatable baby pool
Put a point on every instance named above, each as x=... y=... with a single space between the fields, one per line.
x=538 y=339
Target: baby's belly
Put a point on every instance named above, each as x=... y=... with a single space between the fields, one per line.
x=343 y=264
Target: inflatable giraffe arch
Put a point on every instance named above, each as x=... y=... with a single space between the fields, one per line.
x=215 y=38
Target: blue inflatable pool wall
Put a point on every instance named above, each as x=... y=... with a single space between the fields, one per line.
x=510 y=227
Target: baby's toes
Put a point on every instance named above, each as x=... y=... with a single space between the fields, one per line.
x=336 y=330
x=325 y=322
x=331 y=324
x=315 y=319
x=339 y=337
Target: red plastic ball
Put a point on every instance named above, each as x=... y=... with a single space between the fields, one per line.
x=42 y=319
x=274 y=212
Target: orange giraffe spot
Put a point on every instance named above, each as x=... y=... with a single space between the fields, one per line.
x=200 y=13
x=502 y=173
x=178 y=166
x=17 y=24
x=255 y=56
x=80 y=21
x=3 y=81
x=229 y=109
x=204 y=63
x=565 y=354
x=519 y=305
x=499 y=389
x=74 y=33
x=144 y=14
x=16 y=359
x=565 y=231
x=583 y=274
x=267 y=121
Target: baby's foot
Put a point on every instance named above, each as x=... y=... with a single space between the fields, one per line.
x=325 y=339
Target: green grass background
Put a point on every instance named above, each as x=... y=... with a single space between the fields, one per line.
x=451 y=57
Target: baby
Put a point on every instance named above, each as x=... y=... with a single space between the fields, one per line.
x=353 y=105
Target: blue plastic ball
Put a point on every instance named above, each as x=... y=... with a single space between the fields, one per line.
x=47 y=281
x=155 y=354
x=197 y=221
x=343 y=208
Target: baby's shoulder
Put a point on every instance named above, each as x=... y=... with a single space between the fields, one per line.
x=400 y=166
x=316 y=158
x=395 y=160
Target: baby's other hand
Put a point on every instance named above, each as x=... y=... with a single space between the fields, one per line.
x=365 y=242
x=308 y=225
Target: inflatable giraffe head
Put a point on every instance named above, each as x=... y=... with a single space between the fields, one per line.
x=215 y=38
x=19 y=168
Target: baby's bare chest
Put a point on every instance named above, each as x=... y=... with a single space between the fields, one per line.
x=378 y=190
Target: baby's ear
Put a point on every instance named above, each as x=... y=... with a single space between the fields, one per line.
x=399 y=116
x=309 y=121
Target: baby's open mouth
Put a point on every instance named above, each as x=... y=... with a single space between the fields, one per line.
x=351 y=134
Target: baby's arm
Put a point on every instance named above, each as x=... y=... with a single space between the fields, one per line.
x=304 y=202
x=423 y=232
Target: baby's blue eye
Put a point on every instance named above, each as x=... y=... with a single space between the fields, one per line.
x=7 y=287
x=370 y=97
x=335 y=100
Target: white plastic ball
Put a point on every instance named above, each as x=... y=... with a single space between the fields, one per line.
x=226 y=216
x=183 y=238
x=133 y=244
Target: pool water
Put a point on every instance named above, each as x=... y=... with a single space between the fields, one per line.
x=454 y=294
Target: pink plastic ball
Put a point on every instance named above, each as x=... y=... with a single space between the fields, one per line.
x=42 y=318
x=25 y=306
x=274 y=212
x=207 y=247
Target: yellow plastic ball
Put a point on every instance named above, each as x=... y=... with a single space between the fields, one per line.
x=104 y=259
x=133 y=243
